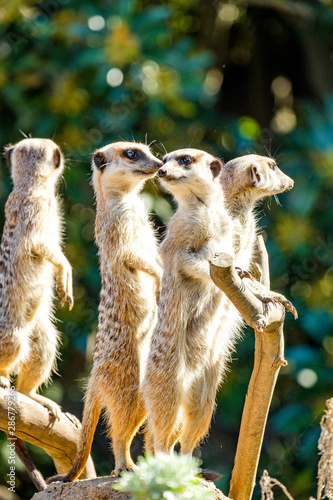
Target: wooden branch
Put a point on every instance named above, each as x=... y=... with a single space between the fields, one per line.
x=267 y=322
x=35 y=475
x=33 y=424
x=260 y=316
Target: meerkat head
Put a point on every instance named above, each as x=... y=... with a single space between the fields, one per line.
x=34 y=160
x=189 y=171
x=259 y=176
x=123 y=166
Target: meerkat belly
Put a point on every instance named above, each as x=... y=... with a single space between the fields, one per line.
x=127 y=308
x=200 y=304
x=230 y=324
x=243 y=240
x=28 y=284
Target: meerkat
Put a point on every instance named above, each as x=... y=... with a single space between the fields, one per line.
x=246 y=181
x=131 y=275
x=188 y=344
x=30 y=256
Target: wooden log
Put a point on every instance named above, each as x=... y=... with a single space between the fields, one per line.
x=57 y=437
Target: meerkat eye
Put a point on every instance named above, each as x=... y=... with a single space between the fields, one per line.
x=272 y=165
x=131 y=154
x=185 y=160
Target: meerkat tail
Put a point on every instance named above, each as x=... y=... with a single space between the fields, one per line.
x=92 y=409
x=210 y=475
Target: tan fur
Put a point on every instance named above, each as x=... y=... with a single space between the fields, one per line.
x=247 y=180
x=188 y=348
x=127 y=312
x=30 y=254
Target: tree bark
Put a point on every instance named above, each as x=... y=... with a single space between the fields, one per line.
x=99 y=489
x=267 y=322
x=58 y=438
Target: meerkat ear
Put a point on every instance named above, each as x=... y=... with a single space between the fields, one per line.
x=255 y=176
x=100 y=161
x=8 y=153
x=57 y=158
x=216 y=167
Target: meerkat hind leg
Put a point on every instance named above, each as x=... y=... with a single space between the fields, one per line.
x=40 y=364
x=196 y=426
x=125 y=422
x=198 y=410
x=14 y=346
x=149 y=438
x=164 y=420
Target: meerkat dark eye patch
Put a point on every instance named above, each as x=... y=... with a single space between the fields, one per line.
x=216 y=167
x=8 y=153
x=56 y=158
x=185 y=160
x=255 y=176
x=131 y=154
x=100 y=161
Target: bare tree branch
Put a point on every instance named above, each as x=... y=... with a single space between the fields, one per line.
x=267 y=322
x=33 y=424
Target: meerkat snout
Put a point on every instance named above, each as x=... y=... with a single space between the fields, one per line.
x=289 y=184
x=162 y=172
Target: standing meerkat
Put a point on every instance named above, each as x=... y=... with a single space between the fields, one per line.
x=197 y=325
x=188 y=344
x=30 y=255
x=131 y=278
x=246 y=181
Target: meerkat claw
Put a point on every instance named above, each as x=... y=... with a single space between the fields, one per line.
x=268 y=300
x=243 y=274
x=70 y=301
x=260 y=325
x=291 y=308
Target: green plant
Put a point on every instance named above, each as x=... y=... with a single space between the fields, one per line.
x=164 y=477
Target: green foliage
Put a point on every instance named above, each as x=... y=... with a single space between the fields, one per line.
x=228 y=77
x=164 y=477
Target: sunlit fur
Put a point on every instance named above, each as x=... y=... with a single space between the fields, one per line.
x=127 y=312
x=30 y=256
x=246 y=181
x=189 y=348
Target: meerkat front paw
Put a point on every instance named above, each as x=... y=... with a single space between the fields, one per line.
x=53 y=408
x=267 y=296
x=4 y=382
x=243 y=274
x=65 y=286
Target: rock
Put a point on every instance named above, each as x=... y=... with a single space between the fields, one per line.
x=97 y=489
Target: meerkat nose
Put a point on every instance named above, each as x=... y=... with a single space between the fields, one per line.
x=162 y=172
x=290 y=184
